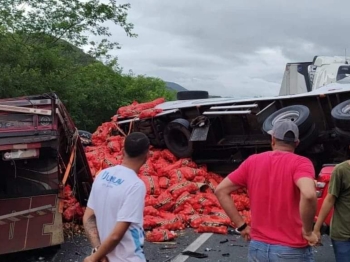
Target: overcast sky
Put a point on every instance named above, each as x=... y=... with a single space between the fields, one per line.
x=230 y=47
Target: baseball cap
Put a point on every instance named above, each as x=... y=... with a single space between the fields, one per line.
x=282 y=127
x=136 y=144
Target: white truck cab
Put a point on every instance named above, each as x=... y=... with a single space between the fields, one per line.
x=308 y=76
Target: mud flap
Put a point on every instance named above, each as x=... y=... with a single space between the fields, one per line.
x=199 y=133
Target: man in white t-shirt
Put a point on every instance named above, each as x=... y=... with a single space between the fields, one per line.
x=113 y=219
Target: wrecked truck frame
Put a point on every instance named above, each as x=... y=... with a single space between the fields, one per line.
x=223 y=132
x=41 y=152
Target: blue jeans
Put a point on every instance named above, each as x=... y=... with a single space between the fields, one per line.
x=341 y=250
x=262 y=252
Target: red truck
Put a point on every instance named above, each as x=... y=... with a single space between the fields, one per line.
x=41 y=152
x=322 y=184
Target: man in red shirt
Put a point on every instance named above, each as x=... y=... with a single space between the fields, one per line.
x=282 y=196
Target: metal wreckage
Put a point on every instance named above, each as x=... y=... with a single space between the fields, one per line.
x=44 y=159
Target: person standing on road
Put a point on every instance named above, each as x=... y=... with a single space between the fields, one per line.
x=113 y=219
x=338 y=197
x=282 y=196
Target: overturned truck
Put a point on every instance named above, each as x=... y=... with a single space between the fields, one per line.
x=223 y=132
x=41 y=153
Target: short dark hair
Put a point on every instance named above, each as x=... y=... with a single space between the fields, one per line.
x=136 y=144
x=289 y=139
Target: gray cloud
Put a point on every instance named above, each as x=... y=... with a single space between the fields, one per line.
x=234 y=48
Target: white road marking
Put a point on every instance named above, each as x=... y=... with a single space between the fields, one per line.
x=193 y=247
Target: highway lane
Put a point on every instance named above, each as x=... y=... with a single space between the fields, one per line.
x=74 y=250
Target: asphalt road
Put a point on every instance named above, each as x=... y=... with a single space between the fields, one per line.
x=235 y=249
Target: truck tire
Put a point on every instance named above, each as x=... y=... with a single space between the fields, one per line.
x=85 y=134
x=300 y=114
x=85 y=137
x=341 y=115
x=177 y=138
x=190 y=95
x=343 y=135
x=307 y=139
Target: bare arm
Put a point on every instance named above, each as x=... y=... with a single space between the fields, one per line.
x=111 y=241
x=308 y=202
x=90 y=226
x=327 y=205
x=223 y=193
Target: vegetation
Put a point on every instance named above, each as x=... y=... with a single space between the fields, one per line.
x=41 y=46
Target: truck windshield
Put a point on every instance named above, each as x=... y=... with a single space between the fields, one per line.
x=29 y=177
x=343 y=71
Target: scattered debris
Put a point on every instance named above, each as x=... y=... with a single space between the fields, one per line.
x=235 y=245
x=226 y=254
x=194 y=254
x=224 y=241
x=168 y=247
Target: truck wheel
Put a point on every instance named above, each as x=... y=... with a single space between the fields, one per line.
x=298 y=113
x=189 y=95
x=341 y=115
x=85 y=137
x=177 y=138
x=85 y=134
x=343 y=135
x=307 y=139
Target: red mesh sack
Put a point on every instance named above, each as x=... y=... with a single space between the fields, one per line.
x=148 y=113
x=160 y=235
x=176 y=177
x=199 y=179
x=129 y=110
x=167 y=155
x=147 y=169
x=173 y=225
x=150 y=200
x=149 y=222
x=202 y=200
x=155 y=155
x=216 y=177
x=185 y=173
x=184 y=162
x=102 y=133
x=115 y=143
x=159 y=165
x=178 y=189
x=73 y=212
x=148 y=105
x=187 y=210
x=212 y=229
x=152 y=185
x=218 y=212
x=241 y=201
x=150 y=211
x=164 y=182
x=108 y=162
x=164 y=201
x=195 y=220
x=212 y=184
x=181 y=201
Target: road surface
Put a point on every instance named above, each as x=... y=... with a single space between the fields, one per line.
x=231 y=248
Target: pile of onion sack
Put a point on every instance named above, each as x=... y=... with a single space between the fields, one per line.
x=180 y=193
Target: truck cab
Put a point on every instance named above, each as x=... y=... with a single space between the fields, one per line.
x=322 y=184
x=302 y=77
x=40 y=152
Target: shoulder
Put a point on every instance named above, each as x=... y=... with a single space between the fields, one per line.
x=137 y=185
x=339 y=168
x=298 y=159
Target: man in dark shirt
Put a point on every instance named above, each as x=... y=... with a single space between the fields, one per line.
x=339 y=198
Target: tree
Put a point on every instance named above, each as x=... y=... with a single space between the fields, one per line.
x=40 y=51
x=70 y=20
